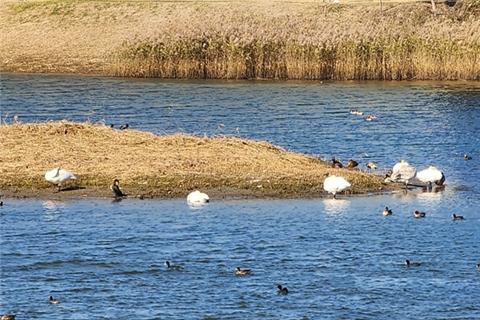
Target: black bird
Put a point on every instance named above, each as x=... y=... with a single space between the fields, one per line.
x=1 y=203
x=455 y=217
x=124 y=126
x=115 y=187
x=352 y=164
x=112 y=125
x=478 y=266
x=466 y=157
x=53 y=301
x=282 y=290
x=336 y=163
x=418 y=214
x=387 y=211
x=173 y=267
x=409 y=263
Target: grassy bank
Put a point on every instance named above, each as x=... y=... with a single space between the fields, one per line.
x=237 y=40
x=160 y=166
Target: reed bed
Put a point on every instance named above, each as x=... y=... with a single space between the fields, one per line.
x=244 y=40
x=165 y=166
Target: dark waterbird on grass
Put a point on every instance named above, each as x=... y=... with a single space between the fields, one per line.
x=124 y=126
x=115 y=187
x=336 y=163
x=282 y=290
x=352 y=164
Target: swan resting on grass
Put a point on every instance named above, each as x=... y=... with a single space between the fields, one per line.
x=334 y=184
x=196 y=197
x=59 y=176
x=402 y=172
x=431 y=174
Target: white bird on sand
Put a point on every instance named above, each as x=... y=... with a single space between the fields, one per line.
x=402 y=172
x=58 y=176
x=334 y=184
x=197 y=197
x=431 y=174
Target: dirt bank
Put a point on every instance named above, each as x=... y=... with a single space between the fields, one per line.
x=159 y=166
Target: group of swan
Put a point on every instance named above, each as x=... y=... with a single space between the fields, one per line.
x=404 y=172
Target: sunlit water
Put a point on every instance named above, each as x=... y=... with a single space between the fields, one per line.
x=340 y=259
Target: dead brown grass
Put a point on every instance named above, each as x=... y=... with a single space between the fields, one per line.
x=165 y=166
x=236 y=39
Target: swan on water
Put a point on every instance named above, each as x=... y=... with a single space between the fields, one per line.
x=334 y=184
x=58 y=176
x=197 y=197
x=402 y=172
x=429 y=175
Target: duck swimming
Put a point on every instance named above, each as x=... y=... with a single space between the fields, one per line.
x=173 y=267
x=59 y=176
x=53 y=301
x=334 y=184
x=242 y=272
x=387 y=212
x=115 y=187
x=417 y=214
x=467 y=157
x=282 y=290
x=455 y=217
x=409 y=263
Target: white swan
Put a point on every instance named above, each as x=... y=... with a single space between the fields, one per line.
x=58 y=176
x=431 y=174
x=334 y=184
x=402 y=172
x=197 y=197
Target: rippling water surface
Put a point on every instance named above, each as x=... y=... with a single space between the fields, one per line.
x=340 y=259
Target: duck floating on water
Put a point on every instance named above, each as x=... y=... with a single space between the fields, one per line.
x=334 y=184
x=7 y=317
x=59 y=176
x=418 y=214
x=282 y=290
x=371 y=117
x=242 y=272
x=467 y=157
x=387 y=211
x=51 y=300
x=173 y=267
x=409 y=263
x=457 y=217
x=356 y=112
x=124 y=126
x=197 y=197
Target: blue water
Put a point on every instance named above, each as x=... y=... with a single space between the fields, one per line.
x=340 y=259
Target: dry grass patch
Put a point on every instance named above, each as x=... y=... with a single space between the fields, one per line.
x=165 y=166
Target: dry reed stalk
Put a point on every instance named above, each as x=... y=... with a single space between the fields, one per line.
x=232 y=40
x=161 y=165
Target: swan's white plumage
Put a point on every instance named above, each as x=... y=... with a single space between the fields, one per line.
x=431 y=174
x=197 y=197
x=334 y=184
x=59 y=176
x=403 y=172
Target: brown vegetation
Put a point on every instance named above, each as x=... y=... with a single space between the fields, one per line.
x=164 y=166
x=236 y=40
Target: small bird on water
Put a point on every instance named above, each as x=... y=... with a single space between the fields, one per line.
x=467 y=157
x=242 y=272
x=372 y=165
x=115 y=187
x=455 y=217
x=387 y=211
x=282 y=290
x=51 y=300
x=418 y=214
x=173 y=267
x=7 y=317
x=409 y=263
